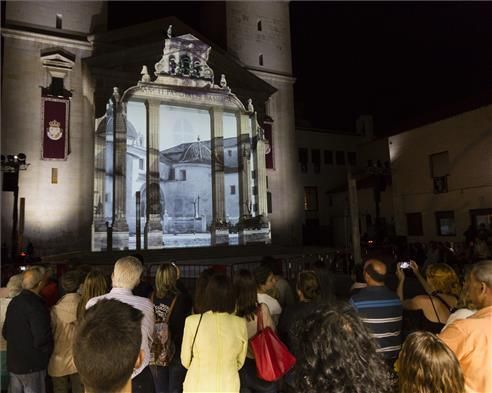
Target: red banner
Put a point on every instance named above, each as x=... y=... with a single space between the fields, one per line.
x=55 y=114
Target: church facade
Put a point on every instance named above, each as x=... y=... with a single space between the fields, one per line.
x=150 y=130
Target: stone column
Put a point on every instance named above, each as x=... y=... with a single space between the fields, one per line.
x=261 y=174
x=120 y=226
x=244 y=151
x=219 y=228
x=264 y=234
x=153 y=226
x=99 y=231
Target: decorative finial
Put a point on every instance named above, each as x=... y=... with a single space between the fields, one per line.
x=170 y=31
x=251 y=108
x=223 y=81
x=145 y=74
x=116 y=94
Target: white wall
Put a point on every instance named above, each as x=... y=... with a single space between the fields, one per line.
x=468 y=139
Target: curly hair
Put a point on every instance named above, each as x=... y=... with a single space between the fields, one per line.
x=338 y=355
x=427 y=365
x=308 y=284
x=443 y=279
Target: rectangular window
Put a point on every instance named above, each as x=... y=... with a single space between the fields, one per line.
x=233 y=190
x=54 y=175
x=352 y=158
x=310 y=198
x=140 y=164
x=303 y=159
x=439 y=164
x=328 y=157
x=59 y=20
x=182 y=174
x=316 y=159
x=255 y=190
x=445 y=223
x=229 y=153
x=414 y=224
x=340 y=158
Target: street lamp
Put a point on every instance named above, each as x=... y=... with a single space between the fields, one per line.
x=11 y=165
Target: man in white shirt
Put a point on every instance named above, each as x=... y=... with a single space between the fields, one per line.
x=265 y=281
x=126 y=275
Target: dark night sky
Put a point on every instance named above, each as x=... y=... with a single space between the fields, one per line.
x=405 y=63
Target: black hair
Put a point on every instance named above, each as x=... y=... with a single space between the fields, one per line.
x=338 y=355
x=246 y=296
x=261 y=273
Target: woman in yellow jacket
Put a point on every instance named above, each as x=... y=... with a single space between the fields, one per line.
x=214 y=342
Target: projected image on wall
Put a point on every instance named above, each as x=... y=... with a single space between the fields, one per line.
x=185 y=176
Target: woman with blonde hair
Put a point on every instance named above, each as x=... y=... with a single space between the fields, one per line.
x=427 y=365
x=170 y=311
x=95 y=284
x=429 y=312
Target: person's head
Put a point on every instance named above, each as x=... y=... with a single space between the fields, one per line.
x=95 y=284
x=245 y=294
x=265 y=279
x=274 y=264
x=127 y=272
x=201 y=285
x=480 y=284
x=307 y=286
x=442 y=278
x=165 y=280
x=374 y=272
x=14 y=285
x=337 y=354
x=34 y=279
x=70 y=281
x=219 y=295
x=427 y=365
x=106 y=346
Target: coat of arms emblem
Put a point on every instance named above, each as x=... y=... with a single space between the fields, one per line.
x=55 y=132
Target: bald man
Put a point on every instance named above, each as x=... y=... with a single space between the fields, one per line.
x=380 y=309
x=27 y=330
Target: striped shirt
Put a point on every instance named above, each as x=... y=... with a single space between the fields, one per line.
x=381 y=311
x=140 y=303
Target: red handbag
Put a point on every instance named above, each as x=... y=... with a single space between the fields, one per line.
x=272 y=357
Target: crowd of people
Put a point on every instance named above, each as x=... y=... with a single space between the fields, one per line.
x=94 y=334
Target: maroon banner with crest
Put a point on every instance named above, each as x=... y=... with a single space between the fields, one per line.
x=55 y=114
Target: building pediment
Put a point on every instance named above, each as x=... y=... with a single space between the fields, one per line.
x=57 y=59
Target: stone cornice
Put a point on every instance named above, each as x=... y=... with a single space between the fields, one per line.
x=272 y=75
x=46 y=39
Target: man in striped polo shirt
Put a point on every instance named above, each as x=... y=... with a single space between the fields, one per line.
x=380 y=309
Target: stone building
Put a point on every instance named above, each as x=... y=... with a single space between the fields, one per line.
x=59 y=59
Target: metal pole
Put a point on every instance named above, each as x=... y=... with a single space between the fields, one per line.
x=22 y=209
x=15 y=215
x=354 y=215
x=137 y=226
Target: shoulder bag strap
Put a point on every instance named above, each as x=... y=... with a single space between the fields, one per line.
x=168 y=316
x=442 y=300
x=259 y=318
x=434 y=307
x=193 y=344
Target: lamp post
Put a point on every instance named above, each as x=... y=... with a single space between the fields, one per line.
x=11 y=165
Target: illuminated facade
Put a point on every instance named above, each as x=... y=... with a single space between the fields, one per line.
x=156 y=134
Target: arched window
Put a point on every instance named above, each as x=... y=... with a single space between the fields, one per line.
x=258 y=25
x=260 y=59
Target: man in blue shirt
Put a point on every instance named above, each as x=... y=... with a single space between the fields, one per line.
x=380 y=309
